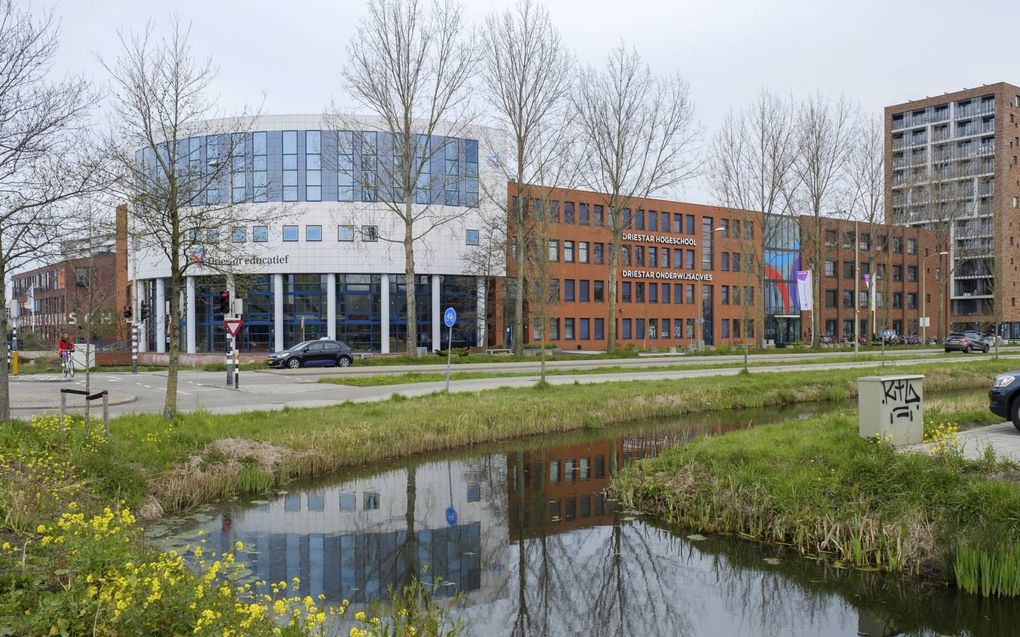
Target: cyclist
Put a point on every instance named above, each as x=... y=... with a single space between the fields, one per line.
x=64 y=347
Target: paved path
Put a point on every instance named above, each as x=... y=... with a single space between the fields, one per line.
x=262 y=391
x=1004 y=438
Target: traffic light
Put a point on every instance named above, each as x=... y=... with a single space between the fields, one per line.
x=145 y=310
x=224 y=302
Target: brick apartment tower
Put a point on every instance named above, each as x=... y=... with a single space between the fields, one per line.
x=951 y=165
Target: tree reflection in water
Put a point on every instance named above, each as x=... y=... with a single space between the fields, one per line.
x=536 y=550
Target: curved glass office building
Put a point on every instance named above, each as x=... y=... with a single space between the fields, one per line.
x=323 y=252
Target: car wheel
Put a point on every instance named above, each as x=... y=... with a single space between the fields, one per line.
x=966 y=350
x=294 y=363
x=343 y=361
x=1014 y=411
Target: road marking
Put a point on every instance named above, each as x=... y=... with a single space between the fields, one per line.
x=183 y=393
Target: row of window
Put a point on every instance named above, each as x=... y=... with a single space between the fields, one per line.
x=313 y=233
x=881 y=242
x=584 y=291
x=584 y=214
x=848 y=270
x=862 y=299
x=585 y=329
x=848 y=328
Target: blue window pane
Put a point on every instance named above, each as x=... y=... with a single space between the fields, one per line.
x=290 y=233
x=471 y=151
x=472 y=238
x=314 y=178
x=260 y=234
x=289 y=142
x=290 y=162
x=258 y=143
x=259 y=163
x=289 y=178
x=313 y=233
x=313 y=193
x=290 y=193
x=239 y=235
x=345 y=233
x=313 y=142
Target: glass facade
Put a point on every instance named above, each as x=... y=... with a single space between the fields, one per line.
x=304 y=307
x=782 y=260
x=275 y=166
x=358 y=313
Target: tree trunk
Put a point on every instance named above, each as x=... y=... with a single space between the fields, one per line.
x=5 y=394
x=614 y=253
x=174 y=349
x=409 y=286
x=519 y=261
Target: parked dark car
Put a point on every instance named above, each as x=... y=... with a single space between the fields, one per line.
x=967 y=341
x=323 y=352
x=1004 y=397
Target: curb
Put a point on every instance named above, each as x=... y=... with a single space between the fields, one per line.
x=127 y=399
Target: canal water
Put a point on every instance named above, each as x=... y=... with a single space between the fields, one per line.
x=524 y=537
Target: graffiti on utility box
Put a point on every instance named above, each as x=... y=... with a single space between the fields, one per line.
x=902 y=398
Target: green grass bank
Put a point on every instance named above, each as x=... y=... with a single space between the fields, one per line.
x=818 y=487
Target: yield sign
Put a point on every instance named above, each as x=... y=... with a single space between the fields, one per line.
x=233 y=326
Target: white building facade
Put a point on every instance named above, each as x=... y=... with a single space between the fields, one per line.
x=327 y=259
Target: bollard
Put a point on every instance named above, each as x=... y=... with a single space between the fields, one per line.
x=63 y=407
x=106 y=413
x=134 y=348
x=237 y=369
x=230 y=365
x=15 y=360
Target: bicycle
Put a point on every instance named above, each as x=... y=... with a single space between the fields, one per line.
x=67 y=364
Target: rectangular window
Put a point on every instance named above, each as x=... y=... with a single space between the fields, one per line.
x=897 y=245
x=689 y=294
x=568 y=212
x=830 y=238
x=554 y=250
x=665 y=329
x=583 y=214
x=639 y=328
x=663 y=257
x=678 y=223
x=600 y=329
x=568 y=290
x=260 y=193
x=689 y=264
x=639 y=292
x=830 y=268
x=313 y=233
x=290 y=181
x=260 y=234
x=582 y=252
x=345 y=166
x=665 y=293
x=369 y=166
x=345 y=233
x=911 y=246
x=568 y=251
x=911 y=273
x=584 y=291
x=598 y=257
x=678 y=293
x=290 y=233
x=369 y=233
x=599 y=215
x=725 y=225
x=585 y=325
x=848 y=298
x=725 y=294
x=724 y=262
x=736 y=262
x=830 y=298
x=568 y=329
x=239 y=235
x=238 y=174
x=313 y=166
x=471 y=237
x=653 y=221
x=598 y=293
x=625 y=329
x=848 y=270
x=725 y=331
x=897 y=273
x=639 y=255
x=625 y=292
x=678 y=258
x=690 y=224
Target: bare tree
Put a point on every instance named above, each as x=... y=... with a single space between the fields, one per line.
x=44 y=160
x=639 y=132
x=527 y=77
x=411 y=67
x=824 y=136
x=176 y=165
x=866 y=195
x=751 y=167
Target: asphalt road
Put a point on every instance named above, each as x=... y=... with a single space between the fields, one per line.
x=273 y=390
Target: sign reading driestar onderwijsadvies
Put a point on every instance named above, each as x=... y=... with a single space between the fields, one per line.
x=666 y=275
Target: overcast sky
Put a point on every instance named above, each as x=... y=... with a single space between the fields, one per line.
x=878 y=52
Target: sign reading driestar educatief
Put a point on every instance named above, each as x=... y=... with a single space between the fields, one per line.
x=657 y=238
x=666 y=275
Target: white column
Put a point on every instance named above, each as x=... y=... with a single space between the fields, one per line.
x=189 y=304
x=278 y=312
x=159 y=312
x=331 y=306
x=437 y=316
x=480 y=311
x=384 y=309
x=143 y=333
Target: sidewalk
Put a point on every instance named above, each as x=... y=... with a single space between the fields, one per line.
x=1004 y=439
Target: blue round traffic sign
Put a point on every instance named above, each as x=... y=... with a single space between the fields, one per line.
x=451 y=516
x=449 y=317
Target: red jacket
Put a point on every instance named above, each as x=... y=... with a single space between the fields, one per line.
x=64 y=345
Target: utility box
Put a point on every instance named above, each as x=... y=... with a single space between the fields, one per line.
x=84 y=356
x=891 y=407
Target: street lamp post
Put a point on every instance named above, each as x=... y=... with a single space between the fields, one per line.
x=924 y=294
x=699 y=303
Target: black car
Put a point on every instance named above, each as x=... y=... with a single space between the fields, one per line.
x=967 y=341
x=323 y=352
x=1004 y=398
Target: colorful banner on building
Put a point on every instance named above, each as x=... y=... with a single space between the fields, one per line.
x=804 y=290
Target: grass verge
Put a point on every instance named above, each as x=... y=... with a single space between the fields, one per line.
x=817 y=486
